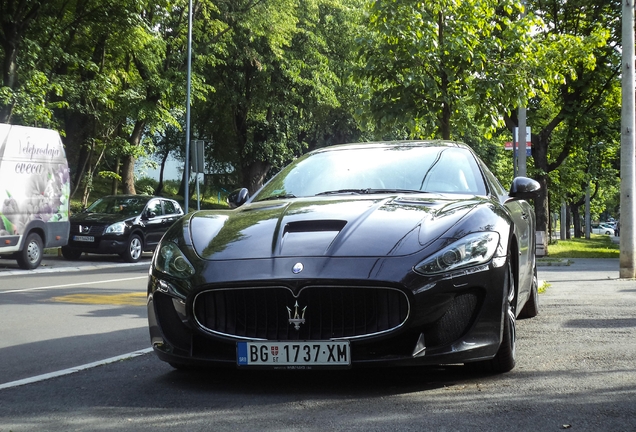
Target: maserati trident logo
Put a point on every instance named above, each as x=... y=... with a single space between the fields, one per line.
x=297 y=268
x=297 y=319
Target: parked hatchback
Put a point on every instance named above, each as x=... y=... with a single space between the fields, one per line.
x=126 y=225
x=602 y=229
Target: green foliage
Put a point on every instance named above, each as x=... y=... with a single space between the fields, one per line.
x=579 y=109
x=272 y=79
x=598 y=246
x=284 y=86
x=146 y=186
x=109 y=175
x=440 y=67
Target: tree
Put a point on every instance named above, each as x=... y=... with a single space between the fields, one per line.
x=281 y=86
x=576 y=50
x=27 y=84
x=440 y=67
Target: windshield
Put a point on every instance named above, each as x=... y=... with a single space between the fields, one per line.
x=118 y=205
x=376 y=169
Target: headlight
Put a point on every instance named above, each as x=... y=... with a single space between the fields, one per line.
x=474 y=249
x=170 y=260
x=116 y=228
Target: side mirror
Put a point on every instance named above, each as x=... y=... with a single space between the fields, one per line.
x=524 y=188
x=238 y=197
x=148 y=214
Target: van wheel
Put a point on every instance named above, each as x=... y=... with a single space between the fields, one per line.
x=71 y=254
x=31 y=255
x=133 y=250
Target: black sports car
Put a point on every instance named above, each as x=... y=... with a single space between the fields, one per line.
x=126 y=225
x=396 y=253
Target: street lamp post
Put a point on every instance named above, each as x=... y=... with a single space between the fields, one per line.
x=627 y=239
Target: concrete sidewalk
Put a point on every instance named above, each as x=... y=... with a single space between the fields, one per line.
x=579 y=269
x=55 y=263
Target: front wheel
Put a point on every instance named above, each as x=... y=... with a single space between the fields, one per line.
x=31 y=255
x=71 y=254
x=504 y=360
x=133 y=250
x=531 y=308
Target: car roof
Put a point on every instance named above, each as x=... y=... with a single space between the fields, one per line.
x=136 y=196
x=389 y=144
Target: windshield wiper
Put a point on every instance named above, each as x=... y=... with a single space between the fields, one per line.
x=344 y=191
x=400 y=191
x=281 y=196
x=368 y=191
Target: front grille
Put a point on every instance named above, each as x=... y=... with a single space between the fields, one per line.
x=94 y=230
x=328 y=312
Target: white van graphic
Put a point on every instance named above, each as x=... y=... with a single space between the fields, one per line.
x=34 y=193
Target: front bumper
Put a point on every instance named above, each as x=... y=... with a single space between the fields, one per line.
x=101 y=245
x=453 y=319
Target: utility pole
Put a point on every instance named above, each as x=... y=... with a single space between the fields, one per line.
x=523 y=166
x=187 y=143
x=627 y=239
x=588 y=218
x=521 y=128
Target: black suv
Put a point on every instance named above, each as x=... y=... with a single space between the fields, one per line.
x=121 y=224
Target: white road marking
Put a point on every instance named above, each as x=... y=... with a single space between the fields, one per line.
x=72 y=285
x=69 y=371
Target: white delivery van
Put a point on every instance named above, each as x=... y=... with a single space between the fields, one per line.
x=34 y=193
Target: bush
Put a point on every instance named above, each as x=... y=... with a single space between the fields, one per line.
x=146 y=186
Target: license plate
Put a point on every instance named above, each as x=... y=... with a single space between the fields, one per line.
x=294 y=355
x=84 y=238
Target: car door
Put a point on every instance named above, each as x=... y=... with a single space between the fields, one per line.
x=171 y=212
x=154 y=222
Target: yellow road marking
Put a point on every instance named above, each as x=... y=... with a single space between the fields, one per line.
x=128 y=299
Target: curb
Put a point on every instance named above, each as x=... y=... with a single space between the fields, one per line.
x=52 y=264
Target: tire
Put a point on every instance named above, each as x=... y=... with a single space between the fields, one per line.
x=134 y=249
x=504 y=360
x=71 y=254
x=31 y=255
x=531 y=308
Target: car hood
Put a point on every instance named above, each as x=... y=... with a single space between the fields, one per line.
x=335 y=226
x=99 y=218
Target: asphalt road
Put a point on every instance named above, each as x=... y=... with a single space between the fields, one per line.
x=53 y=321
x=576 y=370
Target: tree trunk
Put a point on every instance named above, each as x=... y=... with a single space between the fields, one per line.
x=576 y=219
x=14 y=24
x=128 y=170
x=254 y=175
x=540 y=153
x=161 y=170
x=568 y=221
x=115 y=183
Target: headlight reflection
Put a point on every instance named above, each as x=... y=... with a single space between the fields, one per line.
x=474 y=249
x=170 y=260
